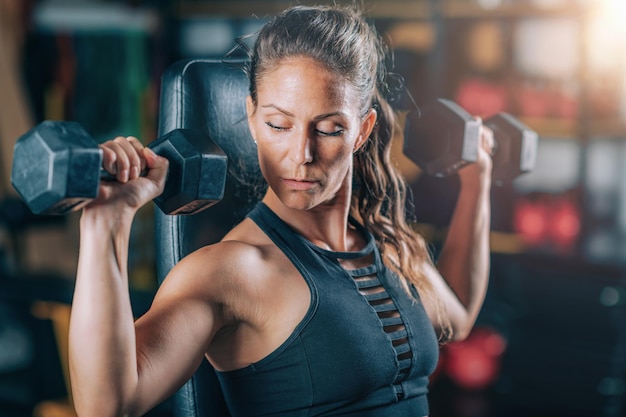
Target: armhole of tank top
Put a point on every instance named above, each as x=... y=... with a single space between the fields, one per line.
x=263 y=217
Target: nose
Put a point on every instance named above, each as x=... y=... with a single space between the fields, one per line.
x=302 y=149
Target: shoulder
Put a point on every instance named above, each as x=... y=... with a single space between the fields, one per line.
x=226 y=262
x=229 y=273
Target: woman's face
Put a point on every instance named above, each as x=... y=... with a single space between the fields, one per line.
x=307 y=125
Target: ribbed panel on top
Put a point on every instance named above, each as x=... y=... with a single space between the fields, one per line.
x=369 y=286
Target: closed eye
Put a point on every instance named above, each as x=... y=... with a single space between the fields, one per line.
x=278 y=128
x=335 y=133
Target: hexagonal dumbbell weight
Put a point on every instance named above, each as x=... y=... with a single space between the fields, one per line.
x=516 y=147
x=57 y=168
x=443 y=137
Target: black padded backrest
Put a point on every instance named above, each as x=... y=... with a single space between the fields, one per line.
x=207 y=96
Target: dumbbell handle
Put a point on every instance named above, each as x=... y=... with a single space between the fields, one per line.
x=108 y=177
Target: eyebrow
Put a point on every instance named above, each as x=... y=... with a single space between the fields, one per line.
x=319 y=117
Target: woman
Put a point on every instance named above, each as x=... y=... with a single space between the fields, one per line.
x=322 y=301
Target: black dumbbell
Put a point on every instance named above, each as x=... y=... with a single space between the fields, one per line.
x=57 y=168
x=443 y=137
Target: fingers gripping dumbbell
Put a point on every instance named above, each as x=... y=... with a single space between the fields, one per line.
x=443 y=137
x=57 y=168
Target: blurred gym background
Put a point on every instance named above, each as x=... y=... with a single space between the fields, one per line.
x=551 y=338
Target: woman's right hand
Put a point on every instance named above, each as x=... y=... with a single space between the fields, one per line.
x=140 y=175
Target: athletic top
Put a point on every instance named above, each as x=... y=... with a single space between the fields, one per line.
x=364 y=348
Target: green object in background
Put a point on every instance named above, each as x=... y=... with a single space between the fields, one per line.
x=135 y=81
x=112 y=77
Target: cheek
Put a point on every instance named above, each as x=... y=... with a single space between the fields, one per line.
x=269 y=159
x=264 y=162
x=338 y=163
x=339 y=154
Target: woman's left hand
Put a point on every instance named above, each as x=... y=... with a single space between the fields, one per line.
x=479 y=172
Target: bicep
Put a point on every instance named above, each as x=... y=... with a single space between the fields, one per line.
x=172 y=337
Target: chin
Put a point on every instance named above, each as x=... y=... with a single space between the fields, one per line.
x=299 y=202
x=299 y=205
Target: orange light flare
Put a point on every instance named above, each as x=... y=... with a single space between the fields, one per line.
x=606 y=33
x=612 y=13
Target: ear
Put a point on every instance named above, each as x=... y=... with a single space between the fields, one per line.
x=367 y=125
x=250 y=110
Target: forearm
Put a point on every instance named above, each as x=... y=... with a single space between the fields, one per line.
x=464 y=258
x=103 y=363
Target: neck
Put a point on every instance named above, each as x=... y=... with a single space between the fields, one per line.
x=326 y=225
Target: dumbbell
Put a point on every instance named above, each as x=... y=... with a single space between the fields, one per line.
x=57 y=168
x=443 y=137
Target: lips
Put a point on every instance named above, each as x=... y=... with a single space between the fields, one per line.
x=299 y=184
